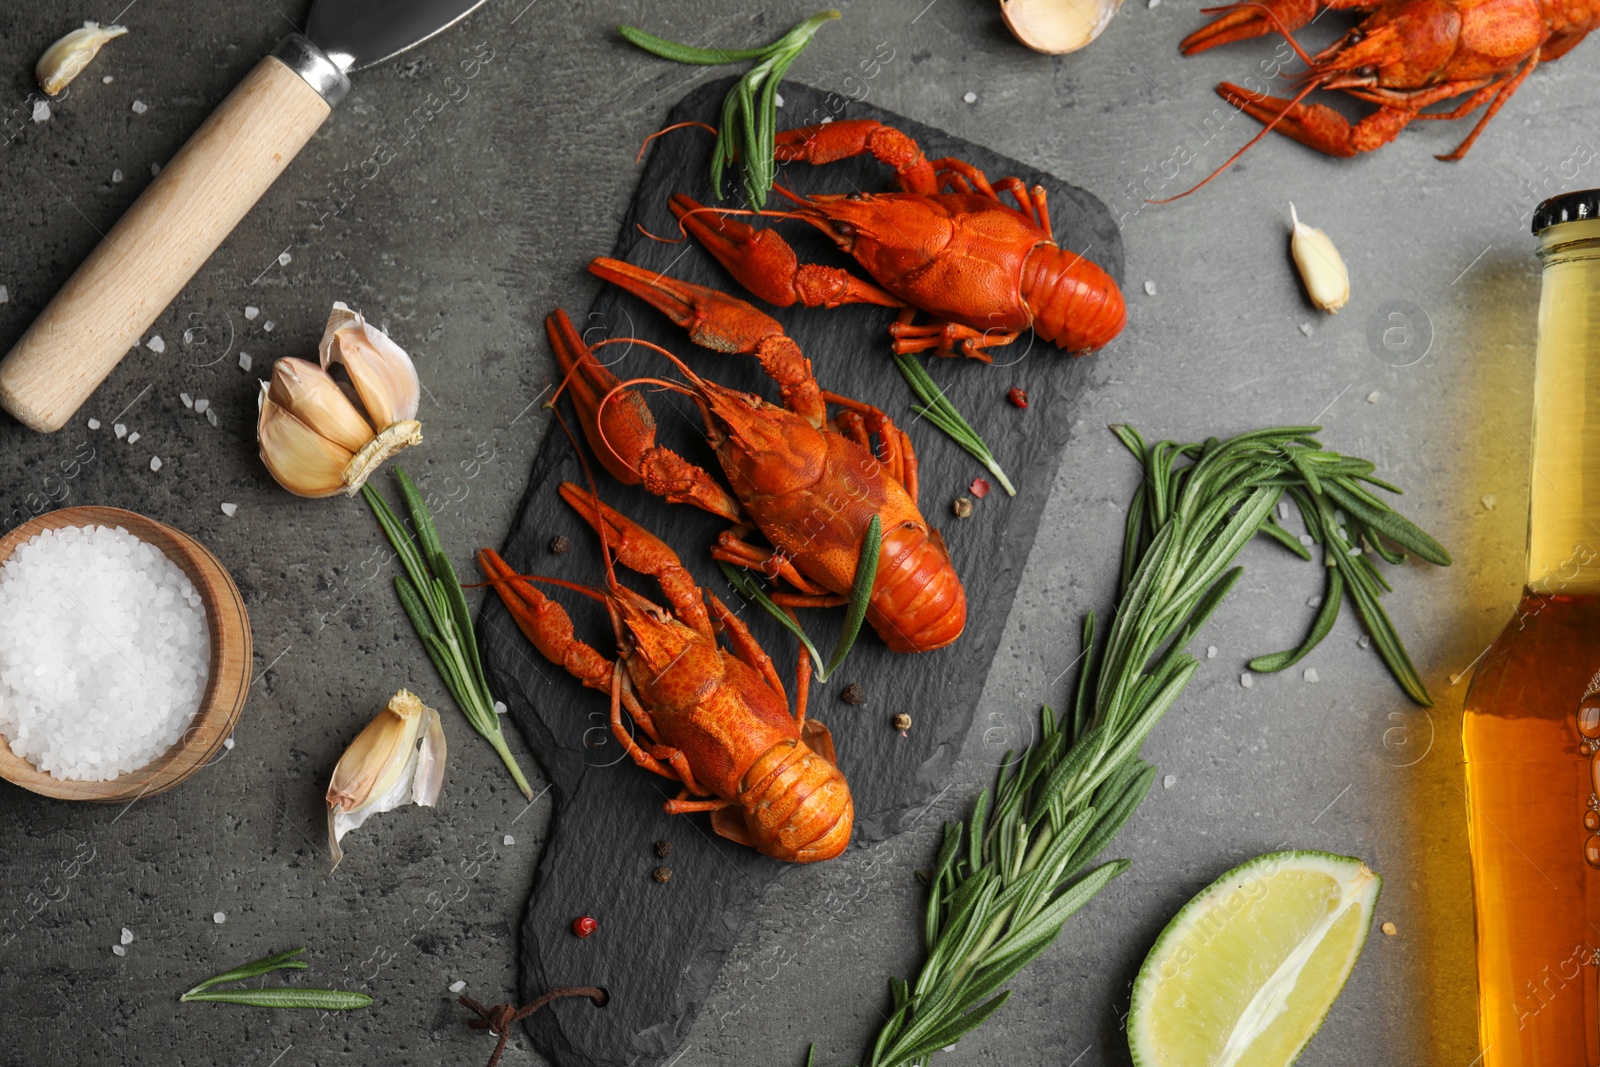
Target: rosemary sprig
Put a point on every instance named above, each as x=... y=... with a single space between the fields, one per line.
x=855 y=612
x=433 y=601
x=938 y=410
x=1007 y=879
x=750 y=110
x=284 y=997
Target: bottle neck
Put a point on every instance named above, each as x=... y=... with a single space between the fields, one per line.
x=1564 y=495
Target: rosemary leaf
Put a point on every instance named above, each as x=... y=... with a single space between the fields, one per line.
x=938 y=410
x=1008 y=878
x=267 y=964
x=860 y=594
x=320 y=999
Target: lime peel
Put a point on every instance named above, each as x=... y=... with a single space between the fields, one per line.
x=1246 y=972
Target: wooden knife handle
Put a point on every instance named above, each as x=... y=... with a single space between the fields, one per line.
x=159 y=244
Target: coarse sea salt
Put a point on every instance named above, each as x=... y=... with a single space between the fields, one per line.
x=104 y=652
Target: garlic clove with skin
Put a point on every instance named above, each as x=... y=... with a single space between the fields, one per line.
x=383 y=374
x=1326 y=278
x=1057 y=27
x=67 y=58
x=316 y=434
x=300 y=459
x=312 y=396
x=397 y=759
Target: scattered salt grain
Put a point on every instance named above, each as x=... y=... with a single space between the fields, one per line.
x=155 y=168
x=116 y=176
x=457 y=986
x=106 y=80
x=230 y=510
x=200 y=405
x=284 y=258
x=244 y=361
x=127 y=936
x=155 y=463
x=268 y=326
x=1211 y=652
x=1246 y=681
x=1313 y=602
x=1283 y=510
x=1154 y=4
x=1149 y=288
x=1311 y=676
x=509 y=840
x=41 y=111
x=1489 y=501
x=1169 y=781
x=1307 y=540
x=1363 y=641
x=104 y=652
x=118 y=950
x=5 y=295
x=777 y=99
x=227 y=743
x=1305 y=328
x=156 y=344
x=94 y=424
x=1372 y=397
x=188 y=401
x=250 y=313
x=140 y=107
x=120 y=430
x=970 y=97
x=132 y=437
x=499 y=707
x=219 y=917
x=825 y=120
x=211 y=416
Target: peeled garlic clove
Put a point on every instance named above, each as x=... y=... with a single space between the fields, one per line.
x=1326 y=278
x=311 y=395
x=384 y=376
x=300 y=459
x=65 y=60
x=397 y=759
x=1056 y=27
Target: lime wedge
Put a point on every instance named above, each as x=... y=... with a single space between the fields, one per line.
x=1244 y=975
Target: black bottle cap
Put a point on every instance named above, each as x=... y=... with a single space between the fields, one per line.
x=1567 y=207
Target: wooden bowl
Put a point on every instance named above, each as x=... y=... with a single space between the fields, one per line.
x=226 y=685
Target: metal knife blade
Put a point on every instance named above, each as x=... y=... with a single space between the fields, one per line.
x=358 y=33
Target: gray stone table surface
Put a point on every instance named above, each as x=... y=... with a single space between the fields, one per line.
x=456 y=196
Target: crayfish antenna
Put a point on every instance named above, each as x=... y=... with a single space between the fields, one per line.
x=583 y=461
x=1231 y=160
x=712 y=130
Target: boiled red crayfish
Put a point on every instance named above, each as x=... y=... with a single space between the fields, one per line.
x=944 y=244
x=808 y=483
x=717 y=721
x=1404 y=56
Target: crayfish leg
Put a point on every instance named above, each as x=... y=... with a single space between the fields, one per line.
x=832 y=141
x=746 y=647
x=620 y=732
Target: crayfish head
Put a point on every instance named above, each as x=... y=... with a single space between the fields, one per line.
x=764 y=449
x=667 y=660
x=1390 y=50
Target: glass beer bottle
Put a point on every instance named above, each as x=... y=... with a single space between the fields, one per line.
x=1531 y=725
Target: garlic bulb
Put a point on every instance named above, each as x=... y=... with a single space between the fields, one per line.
x=65 y=60
x=1056 y=27
x=397 y=759
x=1326 y=278
x=313 y=436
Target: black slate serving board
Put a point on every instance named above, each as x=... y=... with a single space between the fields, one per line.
x=660 y=947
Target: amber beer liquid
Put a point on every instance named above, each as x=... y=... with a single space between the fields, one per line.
x=1531 y=726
